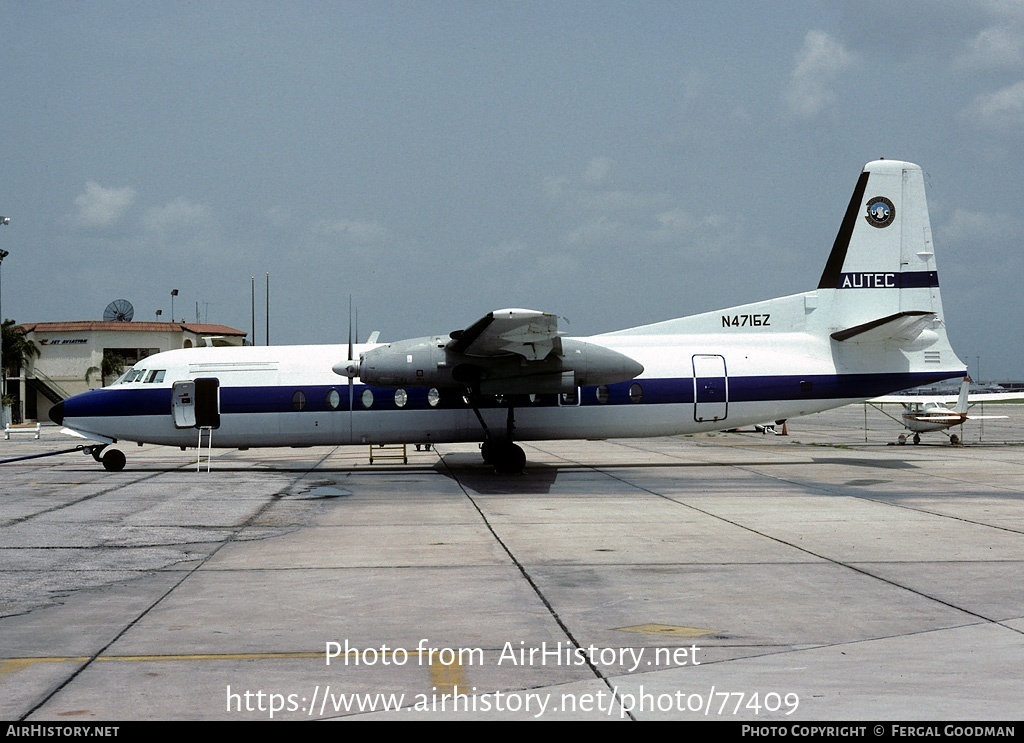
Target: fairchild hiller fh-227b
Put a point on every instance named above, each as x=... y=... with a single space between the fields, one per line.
x=874 y=324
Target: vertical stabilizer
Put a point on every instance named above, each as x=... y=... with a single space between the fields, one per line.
x=880 y=284
x=883 y=262
x=963 y=401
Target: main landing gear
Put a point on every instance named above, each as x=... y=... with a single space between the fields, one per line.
x=507 y=457
x=113 y=460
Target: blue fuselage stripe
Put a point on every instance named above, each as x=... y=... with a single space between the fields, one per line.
x=136 y=401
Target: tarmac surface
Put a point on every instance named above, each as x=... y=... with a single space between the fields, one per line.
x=825 y=575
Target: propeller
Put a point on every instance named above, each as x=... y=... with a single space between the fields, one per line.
x=350 y=366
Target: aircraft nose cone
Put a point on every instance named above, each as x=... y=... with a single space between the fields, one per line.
x=57 y=413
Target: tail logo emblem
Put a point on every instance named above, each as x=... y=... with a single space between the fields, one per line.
x=881 y=212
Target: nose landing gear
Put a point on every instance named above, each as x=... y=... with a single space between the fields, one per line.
x=113 y=460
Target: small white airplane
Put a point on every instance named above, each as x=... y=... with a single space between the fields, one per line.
x=874 y=324
x=921 y=415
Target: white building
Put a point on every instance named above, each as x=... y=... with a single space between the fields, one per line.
x=81 y=355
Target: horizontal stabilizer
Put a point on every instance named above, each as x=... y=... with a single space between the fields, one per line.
x=903 y=326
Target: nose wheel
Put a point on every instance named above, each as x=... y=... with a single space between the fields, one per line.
x=113 y=460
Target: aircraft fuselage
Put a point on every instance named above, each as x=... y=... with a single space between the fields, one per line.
x=289 y=396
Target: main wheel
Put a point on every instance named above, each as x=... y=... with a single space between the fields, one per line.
x=113 y=460
x=510 y=459
x=917 y=438
x=488 y=450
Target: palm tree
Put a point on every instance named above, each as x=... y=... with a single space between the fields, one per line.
x=112 y=366
x=18 y=350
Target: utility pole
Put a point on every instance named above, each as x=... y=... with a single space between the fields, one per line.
x=3 y=371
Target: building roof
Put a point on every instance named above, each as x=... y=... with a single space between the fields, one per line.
x=79 y=326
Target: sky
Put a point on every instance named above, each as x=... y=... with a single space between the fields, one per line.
x=615 y=163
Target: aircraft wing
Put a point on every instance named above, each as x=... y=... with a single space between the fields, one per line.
x=528 y=333
x=507 y=352
x=974 y=398
x=978 y=397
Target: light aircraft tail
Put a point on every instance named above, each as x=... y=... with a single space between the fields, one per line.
x=963 y=401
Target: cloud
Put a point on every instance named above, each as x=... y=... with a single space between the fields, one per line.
x=605 y=216
x=175 y=216
x=1001 y=109
x=819 y=63
x=597 y=170
x=995 y=47
x=102 y=207
x=970 y=228
x=350 y=230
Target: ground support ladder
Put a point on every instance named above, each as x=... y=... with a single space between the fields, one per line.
x=393 y=451
x=209 y=447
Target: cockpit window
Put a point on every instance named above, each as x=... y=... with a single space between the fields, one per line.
x=156 y=375
x=130 y=376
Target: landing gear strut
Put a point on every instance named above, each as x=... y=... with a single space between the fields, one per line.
x=507 y=457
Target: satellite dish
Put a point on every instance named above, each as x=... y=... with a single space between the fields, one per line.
x=120 y=310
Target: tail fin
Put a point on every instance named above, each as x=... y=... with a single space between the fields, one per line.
x=882 y=265
x=880 y=285
x=963 y=401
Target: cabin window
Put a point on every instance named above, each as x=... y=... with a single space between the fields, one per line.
x=367 y=398
x=602 y=393
x=333 y=399
x=299 y=400
x=433 y=397
x=401 y=398
x=636 y=392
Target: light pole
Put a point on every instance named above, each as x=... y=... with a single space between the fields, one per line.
x=3 y=370
x=174 y=293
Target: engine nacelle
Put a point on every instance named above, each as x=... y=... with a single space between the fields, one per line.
x=428 y=362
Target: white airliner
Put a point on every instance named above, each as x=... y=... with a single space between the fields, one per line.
x=921 y=414
x=873 y=325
